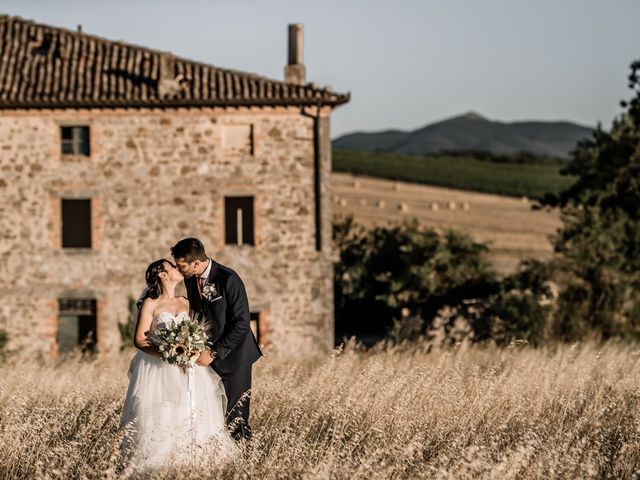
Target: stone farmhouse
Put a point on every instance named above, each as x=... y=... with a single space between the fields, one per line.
x=111 y=152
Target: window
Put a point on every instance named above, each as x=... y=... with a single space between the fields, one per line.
x=238 y=218
x=77 y=324
x=74 y=140
x=254 y=321
x=76 y=223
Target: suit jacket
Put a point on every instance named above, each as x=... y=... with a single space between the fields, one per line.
x=231 y=337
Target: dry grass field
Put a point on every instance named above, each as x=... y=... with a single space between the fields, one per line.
x=401 y=412
x=512 y=228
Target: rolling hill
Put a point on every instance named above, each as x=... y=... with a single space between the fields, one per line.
x=513 y=230
x=462 y=172
x=472 y=132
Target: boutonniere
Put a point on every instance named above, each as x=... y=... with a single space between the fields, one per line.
x=209 y=291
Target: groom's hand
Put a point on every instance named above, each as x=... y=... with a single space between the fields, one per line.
x=205 y=358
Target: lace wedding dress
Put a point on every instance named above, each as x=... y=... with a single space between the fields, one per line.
x=159 y=424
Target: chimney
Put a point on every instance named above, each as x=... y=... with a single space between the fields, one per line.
x=294 y=72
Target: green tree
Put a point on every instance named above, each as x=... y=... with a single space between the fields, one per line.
x=397 y=280
x=520 y=309
x=598 y=264
x=386 y=271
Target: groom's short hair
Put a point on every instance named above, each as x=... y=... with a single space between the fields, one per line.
x=191 y=249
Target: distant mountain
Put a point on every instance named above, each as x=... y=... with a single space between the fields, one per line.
x=472 y=132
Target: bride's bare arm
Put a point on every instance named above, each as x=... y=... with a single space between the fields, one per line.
x=140 y=339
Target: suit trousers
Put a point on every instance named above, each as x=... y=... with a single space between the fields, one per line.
x=237 y=385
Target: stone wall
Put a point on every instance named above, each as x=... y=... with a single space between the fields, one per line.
x=154 y=177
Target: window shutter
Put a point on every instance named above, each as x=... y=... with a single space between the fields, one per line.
x=76 y=223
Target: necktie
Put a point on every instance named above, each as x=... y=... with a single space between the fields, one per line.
x=200 y=283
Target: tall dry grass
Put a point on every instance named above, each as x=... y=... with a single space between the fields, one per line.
x=468 y=412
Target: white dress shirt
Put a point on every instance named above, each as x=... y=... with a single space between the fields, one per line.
x=207 y=271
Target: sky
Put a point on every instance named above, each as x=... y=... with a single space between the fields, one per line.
x=407 y=63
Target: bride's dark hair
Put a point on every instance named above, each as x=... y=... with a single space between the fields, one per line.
x=154 y=284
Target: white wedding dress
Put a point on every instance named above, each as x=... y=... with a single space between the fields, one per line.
x=160 y=426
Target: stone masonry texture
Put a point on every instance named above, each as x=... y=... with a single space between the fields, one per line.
x=155 y=176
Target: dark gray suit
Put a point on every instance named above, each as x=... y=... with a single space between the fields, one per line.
x=231 y=338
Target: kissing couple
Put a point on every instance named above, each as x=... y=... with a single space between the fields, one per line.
x=171 y=414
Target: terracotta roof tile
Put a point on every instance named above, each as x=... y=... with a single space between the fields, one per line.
x=44 y=66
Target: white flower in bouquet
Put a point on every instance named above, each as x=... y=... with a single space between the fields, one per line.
x=180 y=343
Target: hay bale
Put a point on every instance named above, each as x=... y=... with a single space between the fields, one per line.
x=464 y=205
x=356 y=184
x=343 y=202
x=434 y=206
x=403 y=207
x=451 y=205
x=363 y=202
x=380 y=204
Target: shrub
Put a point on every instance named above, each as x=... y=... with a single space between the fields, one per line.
x=406 y=267
x=127 y=328
x=4 y=340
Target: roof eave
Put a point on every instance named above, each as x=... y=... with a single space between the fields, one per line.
x=334 y=102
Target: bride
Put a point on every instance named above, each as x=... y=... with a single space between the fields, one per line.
x=158 y=423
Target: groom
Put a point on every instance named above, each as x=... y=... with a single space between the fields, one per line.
x=218 y=292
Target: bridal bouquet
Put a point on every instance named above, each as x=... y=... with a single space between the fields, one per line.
x=181 y=343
